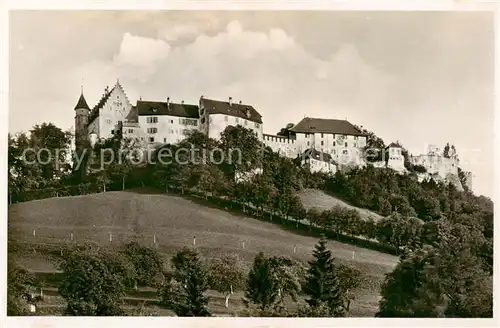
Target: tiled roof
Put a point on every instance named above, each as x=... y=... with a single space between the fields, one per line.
x=132 y=116
x=164 y=108
x=393 y=145
x=235 y=109
x=94 y=113
x=82 y=103
x=318 y=155
x=320 y=125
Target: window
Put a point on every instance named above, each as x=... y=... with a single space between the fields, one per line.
x=142 y=138
x=151 y=139
x=202 y=111
x=225 y=118
x=152 y=119
x=355 y=137
x=130 y=130
x=345 y=144
x=322 y=137
x=108 y=121
x=171 y=121
x=322 y=143
x=152 y=130
x=187 y=121
x=334 y=144
x=237 y=120
x=246 y=122
x=257 y=125
x=165 y=140
x=345 y=152
x=307 y=135
x=308 y=143
x=202 y=120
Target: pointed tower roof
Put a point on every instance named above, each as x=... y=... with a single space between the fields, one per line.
x=82 y=103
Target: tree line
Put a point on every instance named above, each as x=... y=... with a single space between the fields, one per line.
x=94 y=280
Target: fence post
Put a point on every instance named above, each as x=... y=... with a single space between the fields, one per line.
x=243 y=244
x=71 y=236
x=34 y=233
x=294 y=249
x=353 y=255
x=194 y=240
x=154 y=238
x=110 y=237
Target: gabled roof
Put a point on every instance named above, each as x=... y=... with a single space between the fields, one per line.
x=321 y=125
x=393 y=145
x=82 y=103
x=164 y=108
x=94 y=113
x=132 y=116
x=318 y=155
x=235 y=109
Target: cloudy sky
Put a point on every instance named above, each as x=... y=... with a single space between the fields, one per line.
x=420 y=78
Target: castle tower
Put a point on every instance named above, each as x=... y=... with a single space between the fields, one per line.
x=82 y=112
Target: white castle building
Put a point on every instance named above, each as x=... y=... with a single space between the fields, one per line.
x=323 y=144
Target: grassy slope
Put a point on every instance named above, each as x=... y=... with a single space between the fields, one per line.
x=319 y=199
x=175 y=220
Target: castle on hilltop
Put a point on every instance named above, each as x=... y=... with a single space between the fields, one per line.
x=323 y=144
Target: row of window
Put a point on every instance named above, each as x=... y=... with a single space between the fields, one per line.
x=334 y=144
x=333 y=135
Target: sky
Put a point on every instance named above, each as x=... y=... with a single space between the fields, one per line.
x=419 y=78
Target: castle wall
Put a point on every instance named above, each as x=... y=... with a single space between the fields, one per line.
x=282 y=145
x=436 y=164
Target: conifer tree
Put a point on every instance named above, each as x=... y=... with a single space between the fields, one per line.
x=322 y=284
x=260 y=289
x=184 y=291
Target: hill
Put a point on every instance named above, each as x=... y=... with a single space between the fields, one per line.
x=319 y=199
x=172 y=221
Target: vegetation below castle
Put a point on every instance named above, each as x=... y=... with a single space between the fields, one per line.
x=423 y=221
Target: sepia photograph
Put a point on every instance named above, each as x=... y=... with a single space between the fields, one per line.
x=290 y=164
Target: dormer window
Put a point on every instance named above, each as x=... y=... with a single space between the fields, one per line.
x=155 y=110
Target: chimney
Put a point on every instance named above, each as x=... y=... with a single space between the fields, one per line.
x=168 y=102
x=230 y=101
x=182 y=102
x=240 y=102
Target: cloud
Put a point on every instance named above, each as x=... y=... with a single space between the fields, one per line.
x=140 y=51
x=267 y=69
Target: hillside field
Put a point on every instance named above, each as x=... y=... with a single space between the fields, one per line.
x=173 y=222
x=319 y=199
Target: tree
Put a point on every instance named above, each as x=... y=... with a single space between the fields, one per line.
x=227 y=275
x=52 y=145
x=286 y=131
x=349 y=280
x=242 y=150
x=440 y=281
x=183 y=290
x=260 y=289
x=21 y=285
x=446 y=151
x=146 y=261
x=385 y=207
x=322 y=285
x=93 y=283
x=270 y=280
